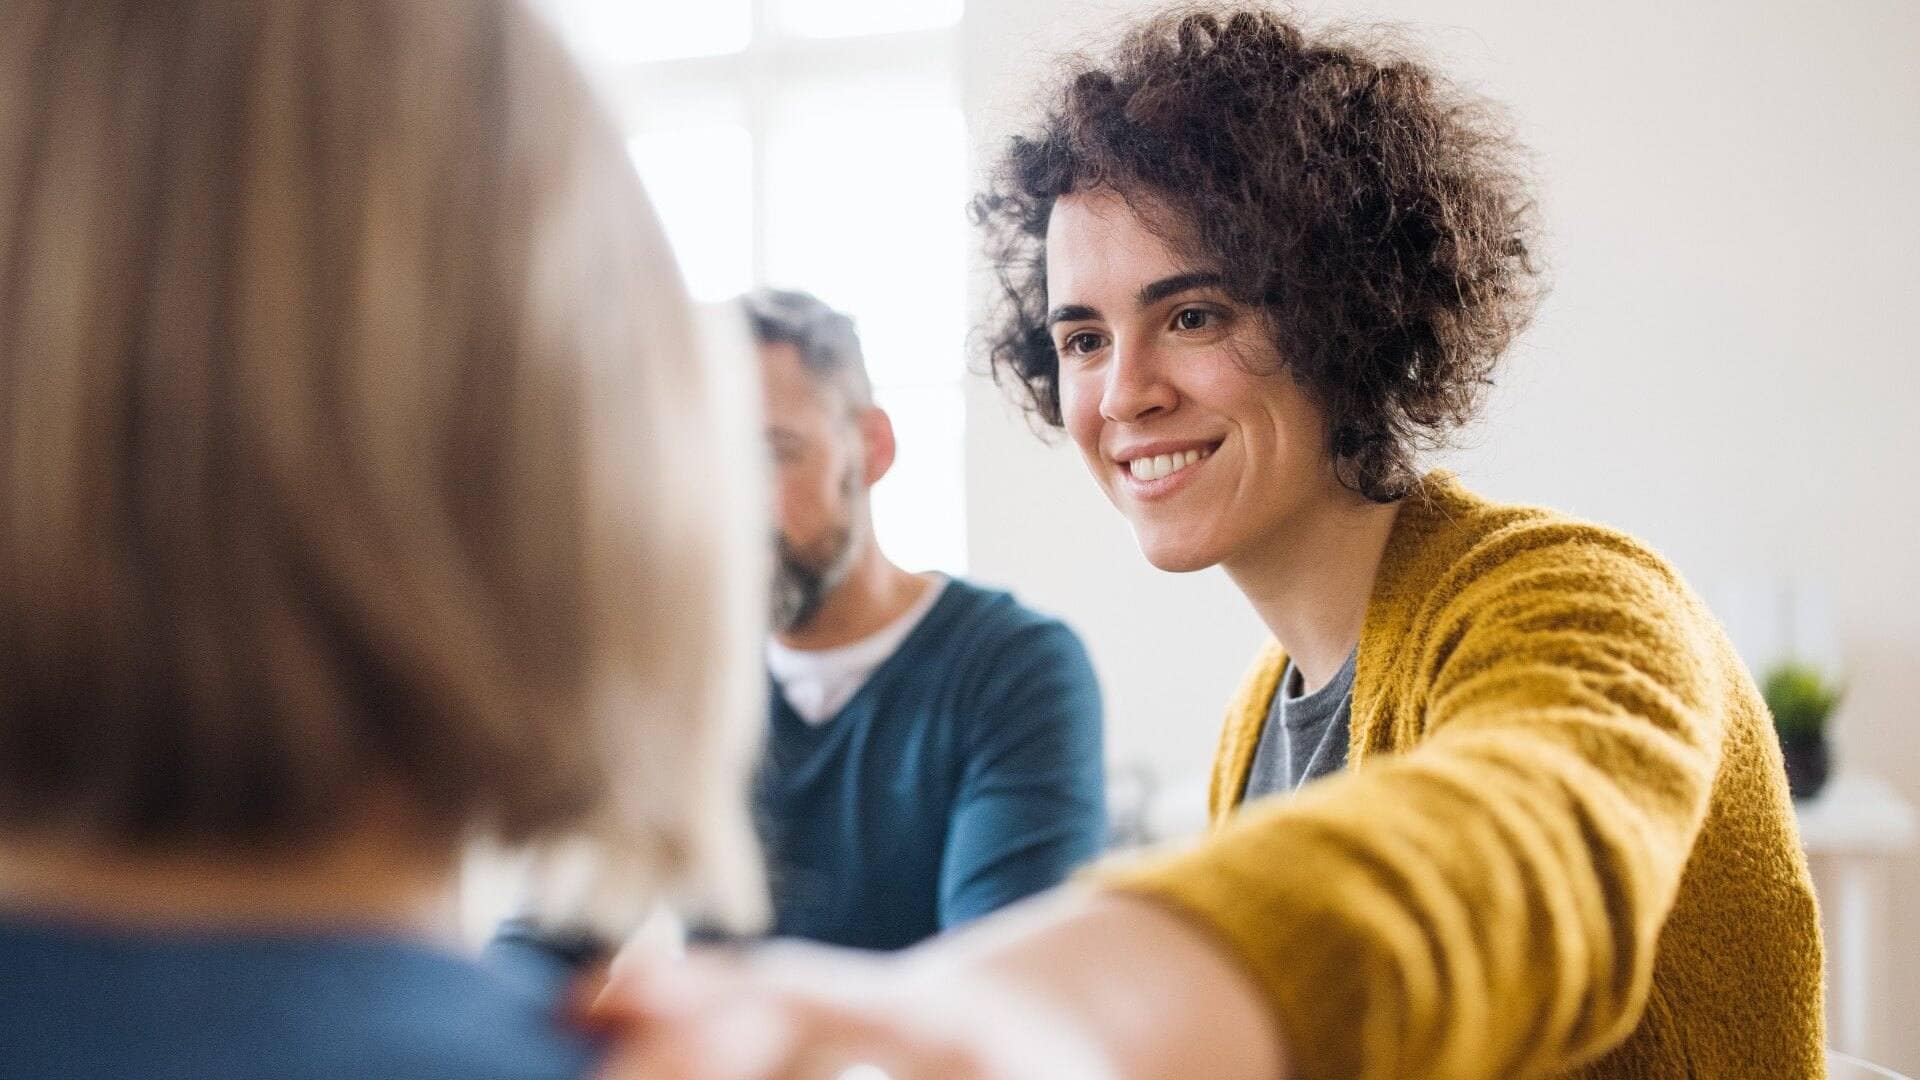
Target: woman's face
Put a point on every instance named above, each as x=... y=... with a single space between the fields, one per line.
x=1174 y=393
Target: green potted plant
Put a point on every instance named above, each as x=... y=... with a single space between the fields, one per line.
x=1801 y=699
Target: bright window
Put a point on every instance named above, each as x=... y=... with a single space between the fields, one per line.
x=615 y=32
x=845 y=18
x=701 y=181
x=818 y=145
x=877 y=225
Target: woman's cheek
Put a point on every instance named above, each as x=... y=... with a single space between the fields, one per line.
x=1080 y=413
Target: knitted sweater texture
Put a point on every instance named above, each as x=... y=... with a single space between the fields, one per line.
x=1563 y=847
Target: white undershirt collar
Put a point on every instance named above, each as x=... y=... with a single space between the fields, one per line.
x=818 y=683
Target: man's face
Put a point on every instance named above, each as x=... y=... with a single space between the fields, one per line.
x=819 y=493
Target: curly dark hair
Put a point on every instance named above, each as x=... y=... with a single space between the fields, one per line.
x=1377 y=217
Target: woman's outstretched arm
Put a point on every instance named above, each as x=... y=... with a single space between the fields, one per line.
x=1077 y=985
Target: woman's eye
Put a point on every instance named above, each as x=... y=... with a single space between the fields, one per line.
x=1080 y=344
x=1193 y=319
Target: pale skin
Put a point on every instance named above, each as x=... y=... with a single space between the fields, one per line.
x=1156 y=364
x=814 y=438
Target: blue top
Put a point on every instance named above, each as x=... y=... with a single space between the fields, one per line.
x=99 y=1005
x=965 y=774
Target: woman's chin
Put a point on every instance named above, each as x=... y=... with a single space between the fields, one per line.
x=1175 y=555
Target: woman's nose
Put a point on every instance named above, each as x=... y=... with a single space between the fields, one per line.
x=1136 y=388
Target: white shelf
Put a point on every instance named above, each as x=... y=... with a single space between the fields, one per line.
x=1857 y=814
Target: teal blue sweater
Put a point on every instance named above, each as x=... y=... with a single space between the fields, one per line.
x=965 y=775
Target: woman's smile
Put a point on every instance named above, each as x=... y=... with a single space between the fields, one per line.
x=1155 y=471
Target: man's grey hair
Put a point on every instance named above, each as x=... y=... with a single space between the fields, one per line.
x=828 y=345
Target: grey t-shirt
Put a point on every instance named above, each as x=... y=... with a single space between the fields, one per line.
x=1305 y=736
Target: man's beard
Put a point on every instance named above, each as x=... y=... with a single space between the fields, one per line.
x=802 y=581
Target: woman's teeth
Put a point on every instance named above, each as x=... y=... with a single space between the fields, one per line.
x=1162 y=465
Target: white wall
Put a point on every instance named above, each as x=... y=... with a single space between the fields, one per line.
x=1725 y=366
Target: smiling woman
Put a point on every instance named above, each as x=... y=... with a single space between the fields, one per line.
x=1372 y=219
x=1498 y=799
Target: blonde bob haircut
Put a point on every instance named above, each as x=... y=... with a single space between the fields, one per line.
x=356 y=439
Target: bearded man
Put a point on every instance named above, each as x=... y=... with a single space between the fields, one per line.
x=934 y=748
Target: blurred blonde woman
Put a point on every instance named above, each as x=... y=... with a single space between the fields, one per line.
x=365 y=497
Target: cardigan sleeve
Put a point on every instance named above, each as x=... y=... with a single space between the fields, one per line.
x=1486 y=904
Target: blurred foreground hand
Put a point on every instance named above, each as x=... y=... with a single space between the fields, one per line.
x=1074 y=985
x=802 y=1012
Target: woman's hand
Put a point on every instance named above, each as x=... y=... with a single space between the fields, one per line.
x=799 y=1011
x=1079 y=986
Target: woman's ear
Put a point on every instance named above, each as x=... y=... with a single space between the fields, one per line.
x=876 y=438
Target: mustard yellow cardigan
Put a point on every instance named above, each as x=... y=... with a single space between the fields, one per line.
x=1563 y=846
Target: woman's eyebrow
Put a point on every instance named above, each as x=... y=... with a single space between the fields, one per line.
x=1071 y=313
x=1155 y=291
x=1150 y=294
